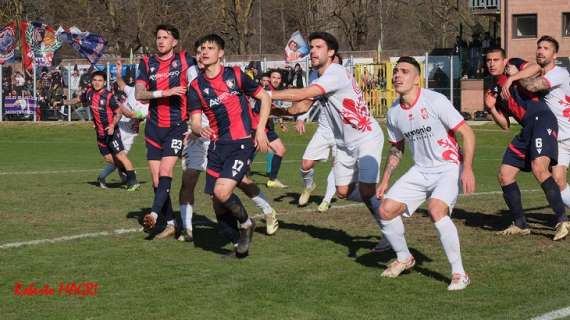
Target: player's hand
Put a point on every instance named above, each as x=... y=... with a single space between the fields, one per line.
x=206 y=132
x=176 y=91
x=300 y=126
x=468 y=181
x=119 y=67
x=261 y=141
x=187 y=137
x=505 y=93
x=110 y=130
x=490 y=100
x=381 y=190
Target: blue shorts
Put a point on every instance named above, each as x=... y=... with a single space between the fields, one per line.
x=110 y=144
x=538 y=138
x=229 y=160
x=164 y=142
x=272 y=135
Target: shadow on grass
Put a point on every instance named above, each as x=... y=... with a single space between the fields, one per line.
x=353 y=244
x=205 y=231
x=113 y=185
x=294 y=199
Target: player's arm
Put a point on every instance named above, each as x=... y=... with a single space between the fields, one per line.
x=71 y=101
x=393 y=160
x=126 y=111
x=530 y=70
x=194 y=105
x=261 y=141
x=467 y=175
x=500 y=119
x=116 y=116
x=535 y=84
x=141 y=92
x=296 y=95
x=120 y=82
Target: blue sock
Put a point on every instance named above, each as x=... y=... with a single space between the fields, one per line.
x=162 y=194
x=275 y=165
x=268 y=163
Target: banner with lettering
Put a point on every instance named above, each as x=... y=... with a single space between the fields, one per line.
x=19 y=105
x=39 y=44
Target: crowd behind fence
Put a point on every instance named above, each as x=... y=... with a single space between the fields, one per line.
x=42 y=99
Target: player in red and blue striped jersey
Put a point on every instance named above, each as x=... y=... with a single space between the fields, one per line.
x=106 y=114
x=162 y=79
x=219 y=93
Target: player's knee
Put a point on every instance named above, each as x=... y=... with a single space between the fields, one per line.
x=385 y=212
x=342 y=193
x=221 y=194
x=539 y=171
x=505 y=178
x=306 y=165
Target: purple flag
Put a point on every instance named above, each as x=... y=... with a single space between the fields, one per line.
x=7 y=42
x=89 y=45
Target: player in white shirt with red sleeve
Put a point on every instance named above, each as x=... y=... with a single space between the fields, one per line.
x=427 y=122
x=358 y=136
x=555 y=83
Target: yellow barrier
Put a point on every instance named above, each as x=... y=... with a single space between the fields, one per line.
x=375 y=80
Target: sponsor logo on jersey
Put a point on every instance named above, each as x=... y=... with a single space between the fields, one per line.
x=421 y=133
x=162 y=75
x=223 y=97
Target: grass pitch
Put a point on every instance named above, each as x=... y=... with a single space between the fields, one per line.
x=318 y=266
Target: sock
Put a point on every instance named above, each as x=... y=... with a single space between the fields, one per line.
x=565 y=194
x=131 y=177
x=109 y=168
x=552 y=192
x=162 y=193
x=261 y=202
x=186 y=215
x=234 y=205
x=394 y=231
x=373 y=205
x=450 y=241
x=308 y=177
x=275 y=165
x=268 y=163
x=331 y=187
x=228 y=226
x=168 y=211
x=512 y=196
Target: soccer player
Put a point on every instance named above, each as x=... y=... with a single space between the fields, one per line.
x=219 y=92
x=163 y=79
x=106 y=115
x=554 y=81
x=275 y=144
x=533 y=149
x=358 y=136
x=427 y=122
x=194 y=161
x=128 y=125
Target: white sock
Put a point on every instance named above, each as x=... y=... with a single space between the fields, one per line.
x=186 y=211
x=308 y=177
x=246 y=224
x=394 y=232
x=107 y=171
x=331 y=187
x=566 y=196
x=261 y=202
x=170 y=222
x=450 y=241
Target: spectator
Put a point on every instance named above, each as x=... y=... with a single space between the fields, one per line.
x=298 y=79
x=19 y=81
x=75 y=77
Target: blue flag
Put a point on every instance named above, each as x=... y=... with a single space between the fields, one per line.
x=7 y=42
x=89 y=45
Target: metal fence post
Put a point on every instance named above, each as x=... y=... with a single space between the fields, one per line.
x=35 y=93
x=1 y=94
x=426 y=71
x=451 y=80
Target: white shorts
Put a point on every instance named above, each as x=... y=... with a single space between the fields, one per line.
x=128 y=139
x=361 y=164
x=194 y=154
x=414 y=187
x=564 y=152
x=319 y=146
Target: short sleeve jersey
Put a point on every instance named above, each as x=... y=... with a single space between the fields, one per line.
x=223 y=100
x=102 y=104
x=428 y=126
x=345 y=107
x=558 y=99
x=163 y=74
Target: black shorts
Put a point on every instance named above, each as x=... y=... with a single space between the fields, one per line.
x=272 y=135
x=164 y=142
x=538 y=138
x=110 y=144
x=228 y=159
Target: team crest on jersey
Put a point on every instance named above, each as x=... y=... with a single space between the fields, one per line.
x=230 y=83
x=207 y=91
x=102 y=102
x=152 y=69
x=174 y=64
x=424 y=113
x=410 y=116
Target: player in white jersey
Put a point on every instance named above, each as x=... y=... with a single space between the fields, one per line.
x=128 y=125
x=554 y=81
x=194 y=161
x=358 y=137
x=427 y=122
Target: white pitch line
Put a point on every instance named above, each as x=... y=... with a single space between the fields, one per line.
x=556 y=314
x=130 y=230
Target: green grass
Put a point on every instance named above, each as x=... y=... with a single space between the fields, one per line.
x=318 y=266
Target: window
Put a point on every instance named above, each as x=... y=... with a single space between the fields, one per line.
x=524 y=26
x=566 y=24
